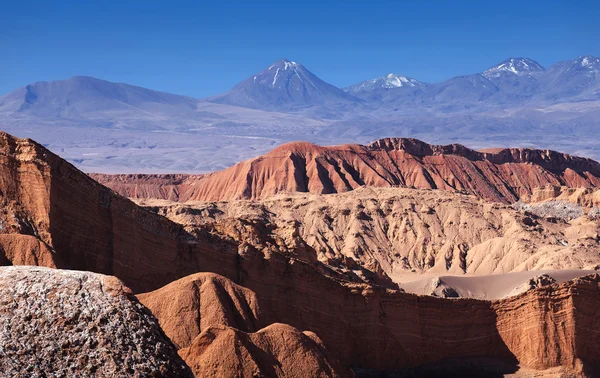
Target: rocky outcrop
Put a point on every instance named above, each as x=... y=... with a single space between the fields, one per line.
x=555 y=325
x=218 y=327
x=502 y=175
x=68 y=323
x=585 y=197
x=187 y=306
x=539 y=281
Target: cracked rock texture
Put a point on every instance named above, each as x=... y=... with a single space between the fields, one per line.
x=78 y=324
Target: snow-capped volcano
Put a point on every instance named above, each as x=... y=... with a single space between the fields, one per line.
x=282 y=71
x=389 y=81
x=282 y=86
x=518 y=66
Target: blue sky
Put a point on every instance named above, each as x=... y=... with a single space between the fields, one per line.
x=201 y=48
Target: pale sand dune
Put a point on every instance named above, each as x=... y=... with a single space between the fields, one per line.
x=494 y=286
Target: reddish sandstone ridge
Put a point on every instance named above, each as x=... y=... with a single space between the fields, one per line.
x=53 y=215
x=203 y=300
x=498 y=175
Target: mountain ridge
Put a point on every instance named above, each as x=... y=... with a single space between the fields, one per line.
x=111 y=126
x=502 y=175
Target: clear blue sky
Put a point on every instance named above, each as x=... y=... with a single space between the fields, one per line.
x=200 y=48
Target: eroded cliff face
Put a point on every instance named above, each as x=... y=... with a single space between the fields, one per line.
x=54 y=215
x=502 y=175
x=394 y=231
x=585 y=197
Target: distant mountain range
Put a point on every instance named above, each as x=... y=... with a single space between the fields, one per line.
x=108 y=127
x=289 y=86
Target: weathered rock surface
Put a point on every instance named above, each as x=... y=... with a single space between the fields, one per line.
x=78 y=324
x=585 y=197
x=394 y=231
x=534 y=283
x=54 y=215
x=502 y=175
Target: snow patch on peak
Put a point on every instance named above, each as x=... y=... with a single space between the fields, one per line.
x=517 y=66
x=585 y=62
x=288 y=64
x=589 y=62
x=394 y=81
x=388 y=81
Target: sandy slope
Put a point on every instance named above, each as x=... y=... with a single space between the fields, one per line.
x=493 y=286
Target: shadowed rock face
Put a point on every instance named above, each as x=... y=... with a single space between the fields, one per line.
x=278 y=350
x=367 y=327
x=502 y=175
x=72 y=323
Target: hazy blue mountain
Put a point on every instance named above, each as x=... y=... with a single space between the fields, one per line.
x=115 y=127
x=579 y=77
x=83 y=93
x=391 y=87
x=285 y=86
x=462 y=91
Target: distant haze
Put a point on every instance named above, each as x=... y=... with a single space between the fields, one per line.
x=109 y=127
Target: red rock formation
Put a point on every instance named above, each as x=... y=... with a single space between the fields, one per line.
x=54 y=215
x=498 y=175
x=278 y=350
x=200 y=301
x=365 y=327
